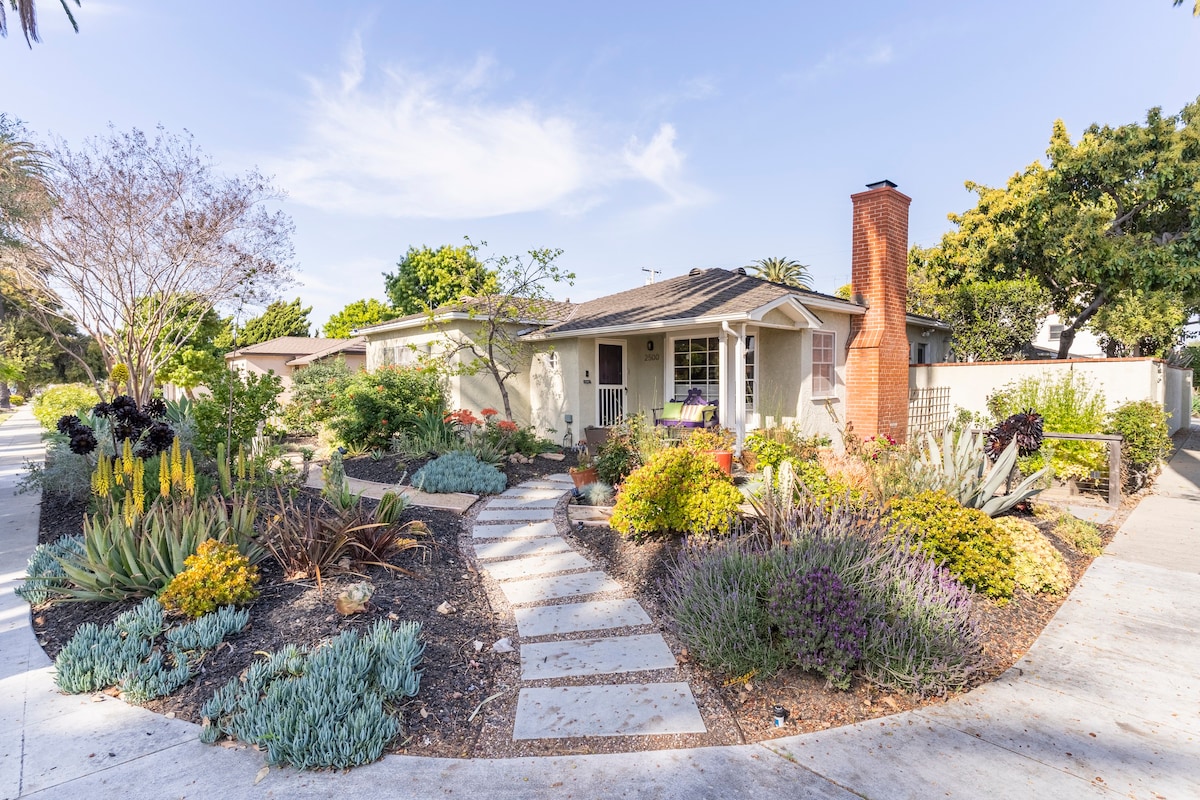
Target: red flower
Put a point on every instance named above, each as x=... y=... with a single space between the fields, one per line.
x=507 y=425
x=489 y=412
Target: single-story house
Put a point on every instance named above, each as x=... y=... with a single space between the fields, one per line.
x=761 y=352
x=284 y=355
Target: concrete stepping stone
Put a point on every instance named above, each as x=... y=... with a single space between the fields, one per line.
x=595 y=656
x=520 y=502
x=537 y=590
x=514 y=530
x=487 y=551
x=639 y=709
x=593 y=616
x=537 y=565
x=544 y=486
x=526 y=492
x=515 y=515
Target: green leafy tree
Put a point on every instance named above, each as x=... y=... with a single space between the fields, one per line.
x=426 y=278
x=787 y=271
x=237 y=408
x=1116 y=211
x=199 y=358
x=1139 y=323
x=27 y=16
x=279 y=319
x=358 y=314
x=990 y=320
x=521 y=298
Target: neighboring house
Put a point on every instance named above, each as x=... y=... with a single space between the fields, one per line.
x=1045 y=345
x=286 y=354
x=760 y=351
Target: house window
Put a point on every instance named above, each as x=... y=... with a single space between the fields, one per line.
x=824 y=377
x=1056 y=333
x=920 y=353
x=751 y=375
x=696 y=365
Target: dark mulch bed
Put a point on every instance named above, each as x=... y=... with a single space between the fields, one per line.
x=454 y=678
x=1009 y=630
x=398 y=469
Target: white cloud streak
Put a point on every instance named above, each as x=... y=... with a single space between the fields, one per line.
x=398 y=143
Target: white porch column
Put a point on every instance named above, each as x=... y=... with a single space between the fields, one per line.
x=739 y=390
x=722 y=376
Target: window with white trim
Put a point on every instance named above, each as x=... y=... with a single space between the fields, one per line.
x=824 y=363
x=696 y=365
x=1056 y=333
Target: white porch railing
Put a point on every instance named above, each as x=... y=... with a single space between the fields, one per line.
x=611 y=404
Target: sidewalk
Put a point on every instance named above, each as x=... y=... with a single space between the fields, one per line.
x=1105 y=704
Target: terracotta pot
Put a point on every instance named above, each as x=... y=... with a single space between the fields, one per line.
x=582 y=477
x=724 y=459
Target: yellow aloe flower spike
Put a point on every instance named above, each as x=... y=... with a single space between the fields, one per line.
x=176 y=463
x=164 y=477
x=129 y=512
x=189 y=475
x=127 y=458
x=139 y=485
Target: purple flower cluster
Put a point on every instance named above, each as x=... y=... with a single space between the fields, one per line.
x=822 y=621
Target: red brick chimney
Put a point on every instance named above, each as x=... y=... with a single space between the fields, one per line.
x=877 y=362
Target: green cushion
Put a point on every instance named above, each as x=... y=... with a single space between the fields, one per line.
x=671 y=410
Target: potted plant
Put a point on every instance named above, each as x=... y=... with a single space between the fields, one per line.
x=716 y=442
x=585 y=473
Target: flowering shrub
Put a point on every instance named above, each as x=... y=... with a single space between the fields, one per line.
x=973 y=547
x=215 y=575
x=828 y=571
x=876 y=446
x=490 y=434
x=1143 y=423
x=1080 y=534
x=822 y=622
x=374 y=406
x=772 y=445
x=678 y=491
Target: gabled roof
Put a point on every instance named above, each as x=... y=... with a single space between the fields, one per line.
x=545 y=312
x=289 y=346
x=345 y=347
x=707 y=295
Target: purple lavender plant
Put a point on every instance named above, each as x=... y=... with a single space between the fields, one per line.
x=822 y=621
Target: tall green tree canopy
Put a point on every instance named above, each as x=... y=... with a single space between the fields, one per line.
x=787 y=271
x=358 y=314
x=427 y=278
x=1116 y=211
x=279 y=319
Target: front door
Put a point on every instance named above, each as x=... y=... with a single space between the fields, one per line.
x=610 y=383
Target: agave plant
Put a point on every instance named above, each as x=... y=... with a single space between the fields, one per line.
x=959 y=466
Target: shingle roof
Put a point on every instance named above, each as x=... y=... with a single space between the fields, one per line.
x=700 y=293
x=549 y=311
x=288 y=346
x=355 y=346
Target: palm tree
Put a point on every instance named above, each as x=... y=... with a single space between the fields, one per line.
x=28 y=18
x=787 y=271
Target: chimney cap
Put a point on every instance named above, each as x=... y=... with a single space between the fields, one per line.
x=881 y=184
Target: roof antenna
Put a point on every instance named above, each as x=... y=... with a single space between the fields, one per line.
x=653 y=273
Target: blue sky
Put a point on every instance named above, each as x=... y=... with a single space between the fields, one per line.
x=631 y=135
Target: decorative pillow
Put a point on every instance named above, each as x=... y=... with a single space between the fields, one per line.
x=672 y=410
x=693 y=413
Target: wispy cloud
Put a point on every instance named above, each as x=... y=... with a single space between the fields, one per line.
x=851 y=57
x=396 y=142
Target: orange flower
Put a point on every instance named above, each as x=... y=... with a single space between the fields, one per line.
x=489 y=412
x=507 y=425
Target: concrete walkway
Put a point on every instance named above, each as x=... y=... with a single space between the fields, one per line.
x=1106 y=704
x=575 y=622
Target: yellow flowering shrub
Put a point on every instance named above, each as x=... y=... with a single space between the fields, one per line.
x=216 y=575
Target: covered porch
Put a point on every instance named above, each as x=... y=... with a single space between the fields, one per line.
x=612 y=374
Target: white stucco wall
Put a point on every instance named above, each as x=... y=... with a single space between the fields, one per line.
x=1121 y=380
